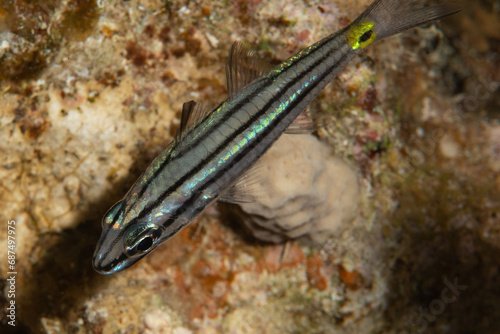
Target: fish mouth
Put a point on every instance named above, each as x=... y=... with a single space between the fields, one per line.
x=106 y=266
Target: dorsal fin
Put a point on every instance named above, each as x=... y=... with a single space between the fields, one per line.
x=243 y=66
x=187 y=111
x=192 y=113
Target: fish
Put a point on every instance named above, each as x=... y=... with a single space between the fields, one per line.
x=216 y=149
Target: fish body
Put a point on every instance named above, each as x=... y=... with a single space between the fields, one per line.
x=210 y=156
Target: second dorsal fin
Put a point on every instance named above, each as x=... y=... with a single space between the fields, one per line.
x=243 y=66
x=192 y=113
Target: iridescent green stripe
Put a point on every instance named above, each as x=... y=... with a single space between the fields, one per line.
x=220 y=113
x=194 y=178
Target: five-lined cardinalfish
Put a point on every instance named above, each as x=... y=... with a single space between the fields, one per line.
x=214 y=150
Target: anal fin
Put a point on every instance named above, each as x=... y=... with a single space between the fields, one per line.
x=305 y=122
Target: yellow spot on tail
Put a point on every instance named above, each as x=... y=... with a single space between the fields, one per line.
x=361 y=34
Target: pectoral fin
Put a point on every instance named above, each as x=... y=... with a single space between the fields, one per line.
x=246 y=188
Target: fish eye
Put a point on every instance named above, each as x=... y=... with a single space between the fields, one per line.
x=141 y=239
x=145 y=244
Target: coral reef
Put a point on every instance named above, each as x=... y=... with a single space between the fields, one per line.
x=91 y=92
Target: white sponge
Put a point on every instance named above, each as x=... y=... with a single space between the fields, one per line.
x=305 y=192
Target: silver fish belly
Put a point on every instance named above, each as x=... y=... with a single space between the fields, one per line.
x=211 y=155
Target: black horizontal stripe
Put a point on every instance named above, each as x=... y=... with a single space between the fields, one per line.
x=146 y=211
x=243 y=154
x=110 y=247
x=240 y=130
x=234 y=109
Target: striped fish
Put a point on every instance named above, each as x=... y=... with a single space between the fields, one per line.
x=214 y=150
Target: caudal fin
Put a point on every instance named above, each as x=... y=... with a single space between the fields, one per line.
x=391 y=17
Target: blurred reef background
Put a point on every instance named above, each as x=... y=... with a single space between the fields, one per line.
x=91 y=91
